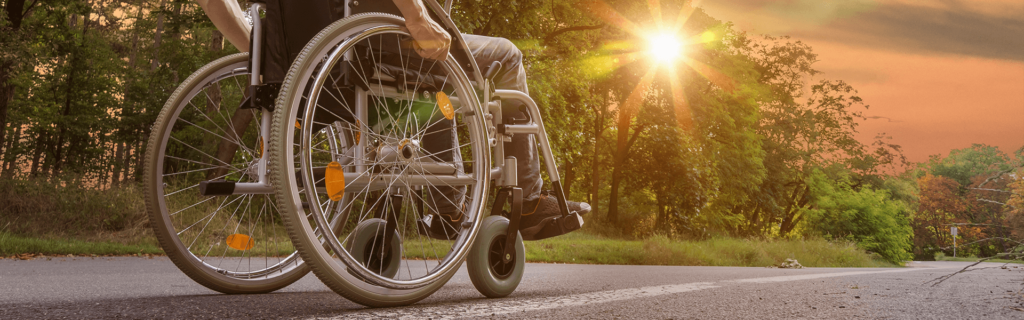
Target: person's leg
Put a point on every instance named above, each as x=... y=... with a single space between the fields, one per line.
x=512 y=77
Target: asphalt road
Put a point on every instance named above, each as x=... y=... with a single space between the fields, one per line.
x=153 y=288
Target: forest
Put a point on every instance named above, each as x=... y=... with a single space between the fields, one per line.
x=741 y=137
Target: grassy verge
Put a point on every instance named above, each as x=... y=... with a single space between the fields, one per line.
x=571 y=248
x=592 y=249
x=11 y=245
x=40 y=217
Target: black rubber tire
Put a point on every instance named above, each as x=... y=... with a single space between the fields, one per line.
x=365 y=234
x=495 y=282
x=161 y=223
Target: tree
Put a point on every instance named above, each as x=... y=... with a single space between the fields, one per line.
x=939 y=208
x=868 y=217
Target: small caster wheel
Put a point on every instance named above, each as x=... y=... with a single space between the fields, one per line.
x=367 y=247
x=492 y=276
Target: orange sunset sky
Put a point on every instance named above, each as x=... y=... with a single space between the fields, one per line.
x=937 y=74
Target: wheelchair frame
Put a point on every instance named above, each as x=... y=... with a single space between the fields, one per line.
x=503 y=173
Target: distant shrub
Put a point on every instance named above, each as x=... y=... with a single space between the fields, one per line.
x=37 y=207
x=870 y=218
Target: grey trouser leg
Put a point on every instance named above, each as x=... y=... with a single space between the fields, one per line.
x=512 y=77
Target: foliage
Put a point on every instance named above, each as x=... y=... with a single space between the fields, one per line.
x=972 y=189
x=870 y=218
x=88 y=78
x=39 y=207
x=741 y=137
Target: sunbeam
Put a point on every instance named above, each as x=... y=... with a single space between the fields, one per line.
x=605 y=12
x=636 y=98
x=666 y=46
x=716 y=77
x=682 y=107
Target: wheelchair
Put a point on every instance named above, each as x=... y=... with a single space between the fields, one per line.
x=382 y=165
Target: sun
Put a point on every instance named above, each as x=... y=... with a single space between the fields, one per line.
x=665 y=47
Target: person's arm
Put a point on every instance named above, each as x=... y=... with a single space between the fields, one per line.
x=228 y=18
x=431 y=41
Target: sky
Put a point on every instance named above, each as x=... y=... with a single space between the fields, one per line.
x=937 y=74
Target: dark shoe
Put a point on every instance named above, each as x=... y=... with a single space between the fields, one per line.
x=443 y=225
x=536 y=211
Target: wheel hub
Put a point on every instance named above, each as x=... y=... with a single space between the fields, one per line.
x=496 y=252
x=404 y=151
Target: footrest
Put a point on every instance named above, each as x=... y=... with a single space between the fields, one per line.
x=217 y=188
x=552 y=227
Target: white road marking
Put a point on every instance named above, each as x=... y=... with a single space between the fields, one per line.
x=503 y=307
x=510 y=306
x=817 y=276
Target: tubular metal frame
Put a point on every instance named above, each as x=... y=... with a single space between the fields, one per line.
x=536 y=127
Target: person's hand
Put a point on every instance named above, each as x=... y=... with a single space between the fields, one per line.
x=429 y=39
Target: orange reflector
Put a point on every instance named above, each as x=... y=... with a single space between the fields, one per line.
x=259 y=153
x=445 y=105
x=298 y=125
x=240 y=241
x=359 y=130
x=334 y=180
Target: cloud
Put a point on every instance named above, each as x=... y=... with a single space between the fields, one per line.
x=990 y=30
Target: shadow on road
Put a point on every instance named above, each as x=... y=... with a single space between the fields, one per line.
x=220 y=306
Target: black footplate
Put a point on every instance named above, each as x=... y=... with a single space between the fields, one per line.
x=548 y=227
x=552 y=227
x=216 y=188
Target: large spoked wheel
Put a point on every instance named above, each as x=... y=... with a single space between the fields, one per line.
x=234 y=243
x=490 y=273
x=417 y=167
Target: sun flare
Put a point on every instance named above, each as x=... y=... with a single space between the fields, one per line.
x=665 y=47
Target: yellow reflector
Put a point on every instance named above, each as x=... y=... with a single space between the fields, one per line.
x=334 y=180
x=240 y=241
x=445 y=105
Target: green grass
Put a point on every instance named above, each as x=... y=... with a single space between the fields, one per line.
x=659 y=250
x=571 y=248
x=51 y=218
x=13 y=245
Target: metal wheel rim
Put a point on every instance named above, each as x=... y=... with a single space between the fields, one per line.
x=289 y=263
x=464 y=241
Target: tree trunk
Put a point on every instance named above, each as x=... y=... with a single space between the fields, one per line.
x=11 y=159
x=661 y=221
x=157 y=38
x=115 y=176
x=139 y=154
x=126 y=163
x=38 y=153
x=567 y=179
x=595 y=173
x=15 y=13
x=620 y=158
x=799 y=201
x=70 y=92
x=6 y=98
x=226 y=148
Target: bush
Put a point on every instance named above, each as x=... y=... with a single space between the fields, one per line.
x=43 y=208
x=868 y=217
